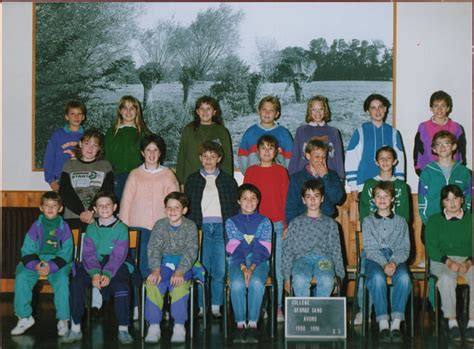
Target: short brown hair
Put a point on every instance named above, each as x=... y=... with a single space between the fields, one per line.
x=51 y=195
x=316 y=143
x=88 y=134
x=76 y=104
x=442 y=96
x=385 y=186
x=212 y=147
x=176 y=195
x=443 y=134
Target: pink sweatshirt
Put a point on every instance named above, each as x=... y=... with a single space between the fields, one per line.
x=142 y=199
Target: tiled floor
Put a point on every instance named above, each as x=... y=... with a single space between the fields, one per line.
x=102 y=331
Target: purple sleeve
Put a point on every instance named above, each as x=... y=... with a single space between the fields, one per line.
x=262 y=247
x=117 y=258
x=89 y=257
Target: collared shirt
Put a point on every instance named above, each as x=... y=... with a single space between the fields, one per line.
x=455 y=217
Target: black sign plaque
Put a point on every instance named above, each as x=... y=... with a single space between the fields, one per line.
x=315 y=317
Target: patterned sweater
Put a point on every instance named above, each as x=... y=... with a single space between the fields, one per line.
x=165 y=242
x=248 y=154
x=308 y=235
x=386 y=233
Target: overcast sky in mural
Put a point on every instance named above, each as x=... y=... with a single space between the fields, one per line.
x=289 y=24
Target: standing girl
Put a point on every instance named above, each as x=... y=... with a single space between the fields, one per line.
x=122 y=141
x=81 y=179
x=318 y=115
x=207 y=126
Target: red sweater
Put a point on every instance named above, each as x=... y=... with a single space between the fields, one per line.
x=273 y=184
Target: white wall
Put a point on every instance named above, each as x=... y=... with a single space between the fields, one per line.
x=433 y=52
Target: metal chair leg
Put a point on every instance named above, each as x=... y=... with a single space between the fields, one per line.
x=142 y=317
x=437 y=313
x=354 y=302
x=226 y=312
x=191 y=310
x=412 y=317
x=365 y=310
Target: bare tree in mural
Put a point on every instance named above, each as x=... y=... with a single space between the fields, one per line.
x=213 y=35
x=158 y=53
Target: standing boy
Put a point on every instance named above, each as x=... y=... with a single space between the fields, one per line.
x=172 y=251
x=269 y=110
x=387 y=248
x=47 y=252
x=441 y=172
x=316 y=153
x=104 y=267
x=312 y=247
x=272 y=181
x=213 y=199
x=366 y=140
x=62 y=143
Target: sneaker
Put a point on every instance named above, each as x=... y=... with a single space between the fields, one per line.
x=455 y=334
x=384 y=335
x=358 y=319
x=252 y=335
x=239 y=335
x=469 y=334
x=264 y=314
x=135 y=313
x=124 y=337
x=154 y=334
x=216 y=312
x=280 y=315
x=179 y=334
x=200 y=313
x=22 y=325
x=396 y=336
x=72 y=336
x=63 y=328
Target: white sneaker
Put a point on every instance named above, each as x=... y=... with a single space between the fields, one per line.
x=358 y=319
x=179 y=334
x=264 y=314
x=154 y=334
x=280 y=316
x=135 y=313
x=96 y=298
x=63 y=328
x=22 y=325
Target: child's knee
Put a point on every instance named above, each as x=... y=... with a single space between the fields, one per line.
x=237 y=286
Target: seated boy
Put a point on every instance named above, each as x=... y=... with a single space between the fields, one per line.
x=316 y=153
x=387 y=248
x=104 y=267
x=213 y=198
x=312 y=247
x=449 y=248
x=172 y=251
x=46 y=251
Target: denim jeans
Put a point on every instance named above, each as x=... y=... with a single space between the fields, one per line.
x=307 y=267
x=143 y=260
x=254 y=292
x=377 y=286
x=213 y=260
x=278 y=228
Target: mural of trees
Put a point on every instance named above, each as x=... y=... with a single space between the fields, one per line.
x=97 y=52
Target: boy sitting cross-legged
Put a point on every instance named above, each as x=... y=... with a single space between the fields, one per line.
x=312 y=247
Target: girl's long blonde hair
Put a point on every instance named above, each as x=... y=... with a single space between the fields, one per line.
x=139 y=123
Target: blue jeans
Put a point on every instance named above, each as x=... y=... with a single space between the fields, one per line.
x=278 y=228
x=377 y=286
x=307 y=267
x=255 y=290
x=119 y=184
x=213 y=260
x=143 y=260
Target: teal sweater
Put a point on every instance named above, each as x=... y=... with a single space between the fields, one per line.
x=445 y=238
x=432 y=180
